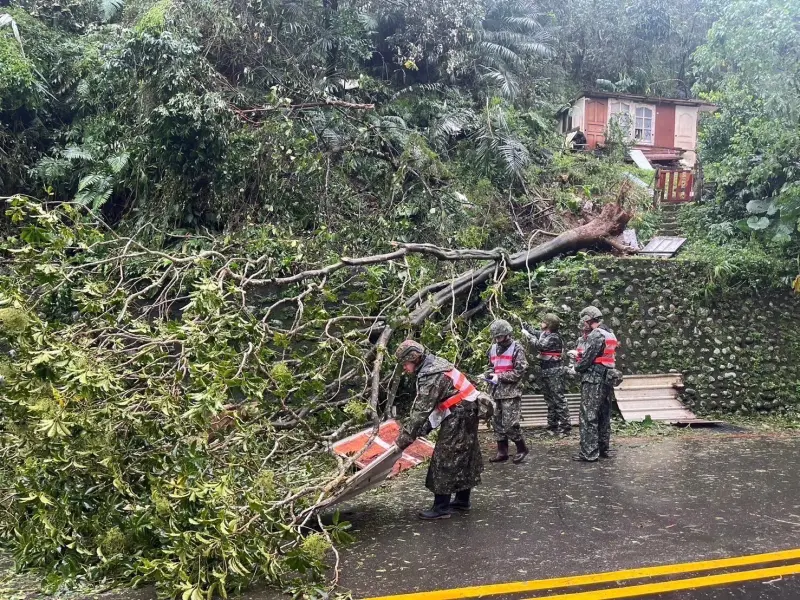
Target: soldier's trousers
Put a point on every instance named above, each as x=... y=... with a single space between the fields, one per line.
x=557 y=408
x=506 y=419
x=595 y=419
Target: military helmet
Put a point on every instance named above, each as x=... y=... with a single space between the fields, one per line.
x=500 y=327
x=591 y=313
x=409 y=351
x=552 y=321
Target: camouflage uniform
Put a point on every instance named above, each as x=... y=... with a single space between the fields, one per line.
x=507 y=395
x=595 y=421
x=457 y=463
x=552 y=371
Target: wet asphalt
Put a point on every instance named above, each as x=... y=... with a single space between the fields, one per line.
x=659 y=501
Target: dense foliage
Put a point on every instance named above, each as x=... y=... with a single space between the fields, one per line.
x=750 y=67
x=171 y=376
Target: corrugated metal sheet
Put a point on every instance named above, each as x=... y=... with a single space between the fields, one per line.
x=655 y=396
x=388 y=432
x=381 y=461
x=534 y=410
x=663 y=246
x=637 y=397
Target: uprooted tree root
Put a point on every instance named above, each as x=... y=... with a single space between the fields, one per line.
x=167 y=413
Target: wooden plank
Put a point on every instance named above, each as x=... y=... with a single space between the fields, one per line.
x=671 y=186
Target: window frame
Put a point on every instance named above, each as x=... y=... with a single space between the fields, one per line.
x=633 y=107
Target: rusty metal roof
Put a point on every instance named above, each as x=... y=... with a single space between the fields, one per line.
x=663 y=246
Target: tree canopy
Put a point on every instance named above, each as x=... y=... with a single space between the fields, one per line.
x=218 y=212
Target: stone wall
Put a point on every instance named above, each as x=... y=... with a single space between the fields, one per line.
x=738 y=349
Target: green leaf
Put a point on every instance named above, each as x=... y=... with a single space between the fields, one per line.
x=758 y=207
x=758 y=223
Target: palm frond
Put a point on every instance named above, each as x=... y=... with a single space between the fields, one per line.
x=503 y=81
x=421 y=88
x=505 y=53
x=514 y=155
x=450 y=125
x=525 y=23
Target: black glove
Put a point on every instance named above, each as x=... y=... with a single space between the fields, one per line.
x=404 y=440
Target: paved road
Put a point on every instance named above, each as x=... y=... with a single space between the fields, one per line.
x=659 y=502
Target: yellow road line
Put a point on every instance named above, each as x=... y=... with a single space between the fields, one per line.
x=647 y=589
x=595 y=578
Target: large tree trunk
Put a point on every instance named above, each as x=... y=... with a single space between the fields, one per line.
x=610 y=223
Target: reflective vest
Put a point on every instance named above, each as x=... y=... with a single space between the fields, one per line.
x=609 y=355
x=579 y=349
x=550 y=355
x=502 y=363
x=464 y=390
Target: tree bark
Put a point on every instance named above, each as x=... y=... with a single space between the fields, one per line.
x=611 y=222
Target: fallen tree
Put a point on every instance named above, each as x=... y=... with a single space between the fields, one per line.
x=167 y=411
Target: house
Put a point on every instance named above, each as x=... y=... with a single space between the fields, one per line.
x=664 y=129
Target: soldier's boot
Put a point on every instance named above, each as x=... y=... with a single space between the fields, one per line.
x=461 y=502
x=580 y=458
x=502 y=452
x=522 y=451
x=439 y=510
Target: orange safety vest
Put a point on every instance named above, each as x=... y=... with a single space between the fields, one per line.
x=609 y=356
x=580 y=347
x=502 y=363
x=464 y=390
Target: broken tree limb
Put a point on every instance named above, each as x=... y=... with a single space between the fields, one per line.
x=619 y=247
x=610 y=222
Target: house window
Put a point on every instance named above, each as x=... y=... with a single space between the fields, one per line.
x=618 y=110
x=643 y=130
x=636 y=121
x=620 y=121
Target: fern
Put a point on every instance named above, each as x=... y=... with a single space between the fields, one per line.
x=76 y=153
x=90 y=181
x=118 y=162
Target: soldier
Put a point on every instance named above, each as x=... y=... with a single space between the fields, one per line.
x=596 y=356
x=507 y=366
x=551 y=348
x=444 y=397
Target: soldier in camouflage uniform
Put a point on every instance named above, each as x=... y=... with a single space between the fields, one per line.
x=596 y=365
x=456 y=464
x=507 y=366
x=550 y=345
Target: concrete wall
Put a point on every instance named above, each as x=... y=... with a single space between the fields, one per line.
x=737 y=349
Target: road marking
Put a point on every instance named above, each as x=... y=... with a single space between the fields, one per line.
x=648 y=589
x=595 y=578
